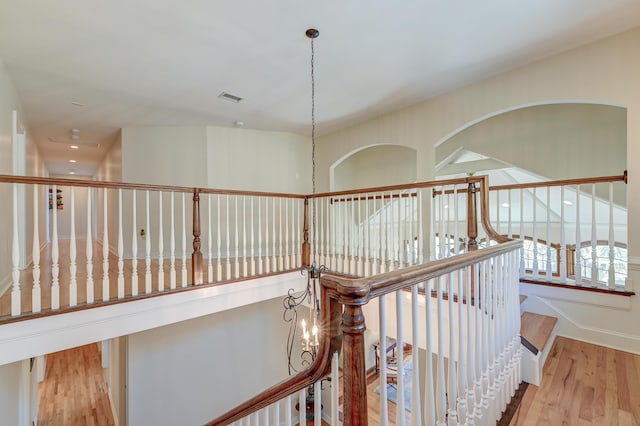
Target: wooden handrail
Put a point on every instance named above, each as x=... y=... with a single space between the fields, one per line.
x=330 y=342
x=562 y=182
x=389 y=282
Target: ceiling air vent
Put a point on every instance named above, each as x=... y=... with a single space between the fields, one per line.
x=229 y=97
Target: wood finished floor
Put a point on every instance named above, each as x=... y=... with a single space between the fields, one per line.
x=584 y=384
x=74 y=391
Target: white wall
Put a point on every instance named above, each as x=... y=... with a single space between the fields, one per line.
x=606 y=71
x=10 y=392
x=379 y=165
x=187 y=373
x=256 y=160
x=558 y=141
x=116 y=378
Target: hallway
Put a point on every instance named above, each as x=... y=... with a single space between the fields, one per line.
x=75 y=389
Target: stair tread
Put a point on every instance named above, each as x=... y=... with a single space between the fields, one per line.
x=523 y=298
x=537 y=328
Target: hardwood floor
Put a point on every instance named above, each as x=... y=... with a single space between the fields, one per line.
x=584 y=384
x=75 y=390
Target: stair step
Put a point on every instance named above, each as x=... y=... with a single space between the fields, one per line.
x=522 y=298
x=536 y=329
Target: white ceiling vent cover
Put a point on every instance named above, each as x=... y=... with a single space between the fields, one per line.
x=229 y=97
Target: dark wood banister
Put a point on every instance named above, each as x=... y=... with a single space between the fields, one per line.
x=330 y=342
x=353 y=293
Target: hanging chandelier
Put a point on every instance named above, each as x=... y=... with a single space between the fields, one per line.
x=309 y=296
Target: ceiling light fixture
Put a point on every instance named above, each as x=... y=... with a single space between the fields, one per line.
x=74 y=146
x=75 y=130
x=72 y=161
x=229 y=97
x=311 y=328
x=75 y=137
x=72 y=172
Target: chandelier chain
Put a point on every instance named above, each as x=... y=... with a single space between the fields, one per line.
x=313 y=151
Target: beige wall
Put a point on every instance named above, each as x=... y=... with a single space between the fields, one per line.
x=258 y=160
x=557 y=141
x=376 y=166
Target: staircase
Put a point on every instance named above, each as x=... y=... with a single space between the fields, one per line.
x=536 y=332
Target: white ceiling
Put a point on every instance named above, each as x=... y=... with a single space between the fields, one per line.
x=161 y=62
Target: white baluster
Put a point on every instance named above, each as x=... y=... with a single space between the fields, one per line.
x=302 y=404
x=522 y=266
x=509 y=226
x=73 y=268
x=219 y=239
x=478 y=345
x=236 y=263
x=612 y=270
x=535 y=236
x=184 y=244
x=366 y=229
x=228 y=261
x=429 y=391
x=172 y=245
x=253 y=253
x=147 y=259
x=210 y=241
x=280 y=253
x=245 y=263
x=400 y=417
x=382 y=355
x=36 y=291
x=441 y=233
x=89 y=249
x=454 y=359
x=287 y=264
x=354 y=243
x=578 y=258
x=420 y=228
x=594 y=238
x=548 y=237
x=317 y=403
x=441 y=391
x=335 y=389
x=321 y=248
x=160 y=246
x=16 y=296
x=276 y=406
x=563 y=241
x=498 y=206
x=259 y=237
x=267 y=263
x=345 y=237
x=120 y=248
x=105 y=246
x=274 y=260
x=416 y=411
x=134 y=245
x=490 y=321
x=287 y=411
x=485 y=298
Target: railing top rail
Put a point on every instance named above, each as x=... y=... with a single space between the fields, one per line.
x=389 y=282
x=550 y=183
x=416 y=185
x=141 y=186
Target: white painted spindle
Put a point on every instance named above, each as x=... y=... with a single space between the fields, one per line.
x=16 y=298
x=120 y=248
x=400 y=417
x=36 y=291
x=184 y=244
x=429 y=391
x=147 y=258
x=548 y=237
x=172 y=244
x=228 y=257
x=382 y=355
x=594 y=238
x=612 y=270
x=160 y=245
x=453 y=361
x=245 y=264
x=73 y=267
x=89 y=249
x=563 y=240
x=134 y=245
x=105 y=245
x=578 y=258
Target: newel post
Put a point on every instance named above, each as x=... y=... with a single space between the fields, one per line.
x=196 y=256
x=306 y=247
x=472 y=217
x=355 y=380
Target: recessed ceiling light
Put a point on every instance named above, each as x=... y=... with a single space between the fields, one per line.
x=75 y=137
x=74 y=146
x=77 y=104
x=72 y=172
x=567 y=202
x=72 y=161
x=505 y=205
x=229 y=97
x=75 y=130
